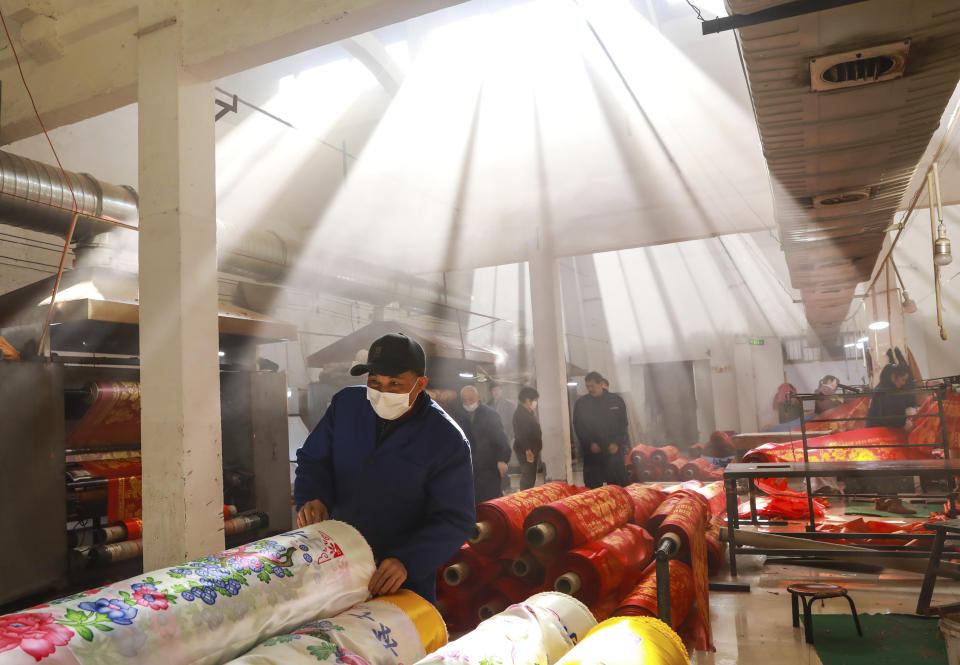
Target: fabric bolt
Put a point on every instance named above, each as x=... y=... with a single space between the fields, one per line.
x=927 y=430
x=498 y=596
x=821 y=448
x=700 y=469
x=503 y=519
x=472 y=569
x=674 y=469
x=664 y=455
x=538 y=631
x=855 y=409
x=605 y=565
x=124 y=498
x=651 y=474
x=641 y=453
x=646 y=500
x=113 y=418
x=580 y=518
x=535 y=571
x=205 y=611
x=642 y=601
x=716 y=496
x=629 y=641
x=385 y=631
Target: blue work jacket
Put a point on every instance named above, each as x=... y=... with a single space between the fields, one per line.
x=411 y=495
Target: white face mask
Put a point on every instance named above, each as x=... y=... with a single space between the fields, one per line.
x=473 y=407
x=390 y=406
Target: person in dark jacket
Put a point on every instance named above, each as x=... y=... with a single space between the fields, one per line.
x=488 y=443
x=600 y=422
x=388 y=460
x=529 y=437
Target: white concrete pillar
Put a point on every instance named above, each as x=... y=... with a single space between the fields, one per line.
x=550 y=361
x=179 y=373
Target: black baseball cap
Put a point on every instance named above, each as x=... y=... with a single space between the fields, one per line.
x=391 y=355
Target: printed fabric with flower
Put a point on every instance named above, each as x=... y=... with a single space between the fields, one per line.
x=115 y=609
x=35 y=633
x=148 y=596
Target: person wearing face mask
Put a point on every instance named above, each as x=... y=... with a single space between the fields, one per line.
x=388 y=460
x=488 y=443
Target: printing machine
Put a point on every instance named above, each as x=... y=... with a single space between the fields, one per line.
x=94 y=338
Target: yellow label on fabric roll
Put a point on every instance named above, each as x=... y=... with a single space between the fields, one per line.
x=629 y=641
x=429 y=623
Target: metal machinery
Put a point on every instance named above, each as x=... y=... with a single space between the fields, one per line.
x=54 y=505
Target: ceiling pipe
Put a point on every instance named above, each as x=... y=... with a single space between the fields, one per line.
x=36 y=197
x=936 y=268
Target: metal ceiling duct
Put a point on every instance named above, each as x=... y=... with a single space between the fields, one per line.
x=846 y=101
x=35 y=196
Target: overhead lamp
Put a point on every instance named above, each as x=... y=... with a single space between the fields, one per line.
x=466 y=375
x=221 y=353
x=850 y=345
x=909 y=305
x=860 y=345
x=879 y=325
x=572 y=384
x=941 y=247
x=863 y=340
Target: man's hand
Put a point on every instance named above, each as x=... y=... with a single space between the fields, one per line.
x=390 y=574
x=613 y=448
x=595 y=448
x=530 y=456
x=312 y=512
x=502 y=467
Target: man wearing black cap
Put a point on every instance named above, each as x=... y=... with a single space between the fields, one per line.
x=388 y=460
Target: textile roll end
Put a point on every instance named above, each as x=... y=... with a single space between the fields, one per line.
x=481 y=532
x=456 y=574
x=523 y=566
x=541 y=534
x=668 y=546
x=568 y=583
x=490 y=609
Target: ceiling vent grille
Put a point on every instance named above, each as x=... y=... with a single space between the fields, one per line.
x=835 y=199
x=861 y=67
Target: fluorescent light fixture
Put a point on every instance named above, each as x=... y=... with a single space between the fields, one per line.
x=850 y=345
x=879 y=325
x=289 y=393
x=466 y=375
x=572 y=384
x=221 y=353
x=863 y=340
x=860 y=345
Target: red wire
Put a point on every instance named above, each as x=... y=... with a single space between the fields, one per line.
x=76 y=207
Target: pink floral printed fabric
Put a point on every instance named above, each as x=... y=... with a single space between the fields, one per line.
x=205 y=611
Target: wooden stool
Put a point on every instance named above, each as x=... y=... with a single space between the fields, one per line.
x=811 y=591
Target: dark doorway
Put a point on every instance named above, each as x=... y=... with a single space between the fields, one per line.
x=671 y=402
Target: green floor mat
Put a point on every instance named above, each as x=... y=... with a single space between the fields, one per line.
x=888 y=639
x=868 y=508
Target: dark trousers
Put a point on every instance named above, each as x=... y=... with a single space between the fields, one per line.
x=608 y=469
x=528 y=471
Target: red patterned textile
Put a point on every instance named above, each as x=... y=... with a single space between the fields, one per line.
x=664 y=455
x=506 y=515
x=113 y=419
x=642 y=601
x=581 y=518
x=474 y=569
x=646 y=500
x=124 y=498
x=821 y=448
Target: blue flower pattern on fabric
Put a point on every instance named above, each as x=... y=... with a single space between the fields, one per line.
x=116 y=610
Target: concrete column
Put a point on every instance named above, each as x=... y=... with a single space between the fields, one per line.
x=550 y=361
x=179 y=374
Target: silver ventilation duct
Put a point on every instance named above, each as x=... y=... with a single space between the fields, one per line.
x=35 y=196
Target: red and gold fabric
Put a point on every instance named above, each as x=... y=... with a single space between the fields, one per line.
x=505 y=516
x=113 y=418
x=580 y=518
x=646 y=500
x=823 y=448
x=642 y=600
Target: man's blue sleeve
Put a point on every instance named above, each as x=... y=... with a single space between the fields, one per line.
x=449 y=521
x=314 y=478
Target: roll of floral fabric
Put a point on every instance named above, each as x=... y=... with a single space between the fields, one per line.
x=391 y=630
x=206 y=611
x=629 y=641
x=561 y=525
x=500 y=521
x=538 y=631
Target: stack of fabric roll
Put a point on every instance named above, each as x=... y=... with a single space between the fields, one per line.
x=666 y=463
x=595 y=545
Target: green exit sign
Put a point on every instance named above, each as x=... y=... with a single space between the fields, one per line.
x=756 y=341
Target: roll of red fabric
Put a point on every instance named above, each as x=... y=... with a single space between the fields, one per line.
x=673 y=470
x=646 y=500
x=528 y=570
x=642 y=600
x=715 y=548
x=716 y=496
x=594 y=570
x=603 y=609
x=500 y=521
x=641 y=453
x=499 y=596
x=821 y=448
x=653 y=524
x=697 y=469
x=664 y=455
x=562 y=525
x=470 y=569
x=651 y=474
x=457 y=607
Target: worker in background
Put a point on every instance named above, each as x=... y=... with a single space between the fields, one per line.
x=826 y=392
x=504 y=407
x=528 y=442
x=388 y=460
x=600 y=422
x=786 y=403
x=488 y=443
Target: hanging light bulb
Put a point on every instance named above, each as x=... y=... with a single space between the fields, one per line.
x=909 y=305
x=941 y=247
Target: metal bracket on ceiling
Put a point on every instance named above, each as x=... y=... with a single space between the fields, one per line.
x=225 y=107
x=787 y=10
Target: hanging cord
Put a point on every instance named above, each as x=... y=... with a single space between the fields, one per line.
x=696 y=9
x=76 y=207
